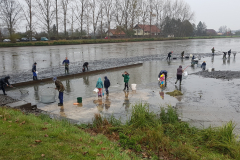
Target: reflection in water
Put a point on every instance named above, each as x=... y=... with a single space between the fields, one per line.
x=36 y=94
x=180 y=87
x=107 y=103
x=68 y=88
x=224 y=61
x=86 y=80
x=169 y=62
x=228 y=61
x=212 y=59
x=62 y=113
x=161 y=94
x=99 y=104
x=126 y=102
x=234 y=60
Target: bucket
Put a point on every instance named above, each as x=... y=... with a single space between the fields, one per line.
x=191 y=56
x=209 y=69
x=79 y=99
x=133 y=86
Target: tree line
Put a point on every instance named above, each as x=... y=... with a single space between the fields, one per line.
x=64 y=18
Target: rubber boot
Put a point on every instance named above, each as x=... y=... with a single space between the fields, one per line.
x=176 y=82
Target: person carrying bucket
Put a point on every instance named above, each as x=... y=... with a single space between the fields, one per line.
x=60 y=88
x=179 y=74
x=106 y=84
x=99 y=86
x=34 y=70
x=126 y=79
x=66 y=63
x=162 y=79
x=203 y=66
x=169 y=55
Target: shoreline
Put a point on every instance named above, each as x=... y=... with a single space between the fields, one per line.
x=102 y=41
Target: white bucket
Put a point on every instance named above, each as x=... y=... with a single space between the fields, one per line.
x=209 y=69
x=134 y=87
x=96 y=90
x=191 y=56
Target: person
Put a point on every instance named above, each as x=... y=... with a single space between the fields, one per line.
x=169 y=55
x=106 y=84
x=193 y=57
x=165 y=73
x=203 y=66
x=229 y=53
x=85 y=65
x=60 y=88
x=162 y=79
x=66 y=62
x=4 y=82
x=213 y=50
x=99 y=86
x=224 y=55
x=126 y=79
x=182 y=54
x=234 y=54
x=34 y=70
x=179 y=74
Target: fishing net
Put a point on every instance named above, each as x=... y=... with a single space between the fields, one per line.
x=48 y=96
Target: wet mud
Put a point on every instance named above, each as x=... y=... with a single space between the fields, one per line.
x=228 y=75
x=76 y=67
x=4 y=99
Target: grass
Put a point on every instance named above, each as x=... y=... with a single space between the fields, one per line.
x=162 y=135
x=39 y=137
x=175 y=93
x=95 y=41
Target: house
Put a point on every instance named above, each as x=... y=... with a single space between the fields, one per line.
x=146 y=30
x=211 y=32
x=116 y=33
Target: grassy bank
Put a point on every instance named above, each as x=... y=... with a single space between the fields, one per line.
x=163 y=135
x=30 y=137
x=96 y=41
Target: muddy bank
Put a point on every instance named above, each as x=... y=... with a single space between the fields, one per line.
x=76 y=67
x=219 y=74
x=6 y=99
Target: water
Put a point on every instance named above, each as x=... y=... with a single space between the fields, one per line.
x=218 y=103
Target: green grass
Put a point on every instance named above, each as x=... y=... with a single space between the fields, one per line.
x=31 y=137
x=95 y=41
x=164 y=134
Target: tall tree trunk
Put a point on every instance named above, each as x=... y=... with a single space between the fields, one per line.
x=57 y=19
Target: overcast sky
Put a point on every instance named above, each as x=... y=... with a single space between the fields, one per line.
x=216 y=13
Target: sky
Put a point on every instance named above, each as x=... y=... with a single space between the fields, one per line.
x=216 y=13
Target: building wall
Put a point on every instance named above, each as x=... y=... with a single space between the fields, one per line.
x=140 y=32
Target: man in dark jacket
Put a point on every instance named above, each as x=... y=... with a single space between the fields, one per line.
x=182 y=54
x=85 y=65
x=4 y=82
x=169 y=55
x=213 y=50
x=163 y=72
x=60 y=88
x=229 y=53
x=224 y=55
x=106 y=84
x=179 y=74
x=34 y=69
x=66 y=63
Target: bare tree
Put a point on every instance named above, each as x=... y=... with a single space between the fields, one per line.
x=95 y=15
x=10 y=11
x=119 y=13
x=79 y=12
x=45 y=14
x=133 y=13
x=64 y=5
x=144 y=14
x=108 y=6
x=56 y=14
x=28 y=14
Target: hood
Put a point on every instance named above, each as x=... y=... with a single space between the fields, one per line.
x=180 y=66
x=8 y=77
x=54 y=79
x=105 y=77
x=99 y=80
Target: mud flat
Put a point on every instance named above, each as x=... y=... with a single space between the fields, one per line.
x=219 y=74
x=6 y=99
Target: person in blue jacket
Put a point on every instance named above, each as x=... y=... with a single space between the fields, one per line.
x=34 y=69
x=203 y=66
x=66 y=62
x=99 y=86
x=106 y=84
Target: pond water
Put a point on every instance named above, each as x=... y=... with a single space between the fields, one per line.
x=205 y=101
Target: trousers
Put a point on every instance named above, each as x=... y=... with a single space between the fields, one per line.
x=60 y=96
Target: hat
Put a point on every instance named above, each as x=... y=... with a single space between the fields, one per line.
x=54 y=79
x=35 y=62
